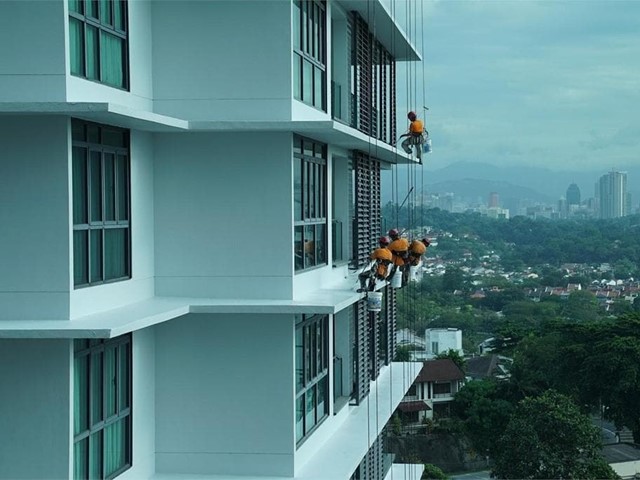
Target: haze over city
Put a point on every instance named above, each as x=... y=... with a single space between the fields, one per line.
x=533 y=83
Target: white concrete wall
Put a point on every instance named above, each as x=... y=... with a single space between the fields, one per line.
x=35 y=264
x=223 y=215
x=140 y=93
x=225 y=395
x=86 y=301
x=143 y=406
x=32 y=50
x=35 y=409
x=447 y=339
x=216 y=61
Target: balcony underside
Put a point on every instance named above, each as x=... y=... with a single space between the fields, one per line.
x=328 y=131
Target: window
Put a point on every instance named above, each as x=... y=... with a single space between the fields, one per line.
x=98 y=41
x=309 y=47
x=309 y=203
x=101 y=407
x=312 y=372
x=441 y=388
x=101 y=199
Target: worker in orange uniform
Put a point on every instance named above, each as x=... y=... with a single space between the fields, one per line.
x=414 y=135
x=379 y=270
x=400 y=249
x=417 y=249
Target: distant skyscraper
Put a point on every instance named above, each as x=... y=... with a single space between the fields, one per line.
x=613 y=195
x=573 y=195
x=493 y=199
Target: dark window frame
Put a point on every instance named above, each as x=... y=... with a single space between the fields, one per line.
x=310 y=160
x=109 y=27
x=91 y=349
x=314 y=369
x=310 y=47
x=121 y=161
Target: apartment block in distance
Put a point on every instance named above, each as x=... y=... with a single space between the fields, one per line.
x=188 y=190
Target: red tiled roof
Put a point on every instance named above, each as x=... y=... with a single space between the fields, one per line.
x=439 y=370
x=414 y=406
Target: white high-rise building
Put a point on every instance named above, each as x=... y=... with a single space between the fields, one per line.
x=613 y=195
x=184 y=186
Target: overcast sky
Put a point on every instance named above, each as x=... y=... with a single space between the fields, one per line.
x=549 y=83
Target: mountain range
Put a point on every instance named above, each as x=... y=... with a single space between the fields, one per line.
x=473 y=181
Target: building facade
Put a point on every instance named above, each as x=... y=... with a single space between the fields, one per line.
x=184 y=212
x=613 y=195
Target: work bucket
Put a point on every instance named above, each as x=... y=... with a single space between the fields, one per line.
x=413 y=273
x=426 y=147
x=396 y=280
x=374 y=301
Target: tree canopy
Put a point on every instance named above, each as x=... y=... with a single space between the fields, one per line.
x=548 y=437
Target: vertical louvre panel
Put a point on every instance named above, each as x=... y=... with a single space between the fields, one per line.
x=362 y=352
x=373 y=465
x=374 y=345
x=392 y=101
x=391 y=312
x=373 y=107
x=367 y=201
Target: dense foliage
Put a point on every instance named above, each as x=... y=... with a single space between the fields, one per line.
x=522 y=240
x=548 y=437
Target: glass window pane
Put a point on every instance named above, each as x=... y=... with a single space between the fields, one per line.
x=77 y=131
x=80 y=464
x=299 y=360
x=79 y=158
x=76 y=46
x=310 y=416
x=96 y=388
x=109 y=188
x=115 y=138
x=75 y=6
x=322 y=397
x=80 y=394
x=95 y=251
x=311 y=189
x=118 y=14
x=123 y=376
x=298 y=248
x=307 y=82
x=110 y=369
x=105 y=12
x=115 y=253
x=96 y=186
x=307 y=353
x=80 y=344
x=308 y=148
x=296 y=24
x=299 y=418
x=318 y=88
x=112 y=59
x=297 y=81
x=297 y=189
x=309 y=246
x=122 y=187
x=115 y=446
x=93 y=54
x=92 y=8
x=95 y=455
x=80 y=258
x=93 y=133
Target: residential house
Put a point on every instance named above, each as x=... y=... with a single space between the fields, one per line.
x=176 y=176
x=433 y=390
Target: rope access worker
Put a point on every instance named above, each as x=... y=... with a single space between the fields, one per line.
x=415 y=135
x=417 y=249
x=379 y=270
x=400 y=249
